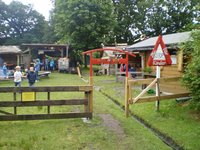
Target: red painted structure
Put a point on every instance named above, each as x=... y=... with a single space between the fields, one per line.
x=108 y=61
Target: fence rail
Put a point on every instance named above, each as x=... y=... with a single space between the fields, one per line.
x=86 y=101
x=129 y=99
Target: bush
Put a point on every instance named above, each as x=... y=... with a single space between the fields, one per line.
x=147 y=69
x=191 y=76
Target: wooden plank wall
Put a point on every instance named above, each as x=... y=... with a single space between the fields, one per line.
x=170 y=71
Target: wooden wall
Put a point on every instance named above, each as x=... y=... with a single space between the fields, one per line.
x=170 y=71
x=167 y=71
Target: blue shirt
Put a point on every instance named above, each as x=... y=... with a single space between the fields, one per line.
x=4 y=69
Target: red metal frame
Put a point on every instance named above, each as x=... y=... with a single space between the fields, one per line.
x=108 y=61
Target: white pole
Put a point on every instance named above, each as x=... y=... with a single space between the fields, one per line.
x=157 y=86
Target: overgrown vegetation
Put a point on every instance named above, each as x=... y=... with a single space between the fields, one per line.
x=191 y=76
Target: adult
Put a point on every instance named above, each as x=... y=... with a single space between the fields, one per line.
x=17 y=76
x=31 y=76
x=52 y=64
x=5 y=70
x=46 y=62
x=37 y=68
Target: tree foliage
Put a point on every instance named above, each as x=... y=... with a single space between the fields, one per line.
x=20 y=24
x=192 y=73
x=84 y=24
x=153 y=17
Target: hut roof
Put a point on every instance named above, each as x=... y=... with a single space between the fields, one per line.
x=170 y=40
x=9 y=50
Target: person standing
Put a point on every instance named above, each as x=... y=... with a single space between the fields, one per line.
x=5 y=70
x=31 y=76
x=37 y=68
x=51 y=64
x=17 y=76
x=46 y=67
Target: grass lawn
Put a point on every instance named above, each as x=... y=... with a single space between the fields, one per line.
x=173 y=119
x=108 y=130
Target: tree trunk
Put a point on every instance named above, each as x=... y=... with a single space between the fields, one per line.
x=85 y=61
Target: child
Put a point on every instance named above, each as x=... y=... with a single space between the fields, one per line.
x=31 y=76
x=17 y=76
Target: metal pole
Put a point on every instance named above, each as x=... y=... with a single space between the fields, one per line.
x=157 y=87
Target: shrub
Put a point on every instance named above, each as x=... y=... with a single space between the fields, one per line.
x=191 y=76
x=147 y=69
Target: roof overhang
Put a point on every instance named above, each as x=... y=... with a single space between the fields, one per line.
x=10 y=50
x=39 y=45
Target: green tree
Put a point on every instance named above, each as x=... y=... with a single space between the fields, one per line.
x=153 y=17
x=20 y=23
x=84 y=24
x=126 y=19
x=191 y=76
x=165 y=17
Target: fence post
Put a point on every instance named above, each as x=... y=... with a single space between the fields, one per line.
x=15 y=98
x=91 y=95
x=48 y=98
x=126 y=97
x=86 y=107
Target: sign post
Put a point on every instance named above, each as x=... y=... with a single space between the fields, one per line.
x=159 y=57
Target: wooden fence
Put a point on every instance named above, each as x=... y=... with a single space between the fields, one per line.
x=8 y=116
x=129 y=99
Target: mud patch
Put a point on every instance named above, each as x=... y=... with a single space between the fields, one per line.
x=112 y=125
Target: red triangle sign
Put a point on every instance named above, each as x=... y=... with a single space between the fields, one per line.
x=159 y=55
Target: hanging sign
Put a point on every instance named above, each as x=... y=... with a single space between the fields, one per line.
x=28 y=96
x=159 y=55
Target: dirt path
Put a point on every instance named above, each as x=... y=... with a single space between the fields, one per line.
x=112 y=125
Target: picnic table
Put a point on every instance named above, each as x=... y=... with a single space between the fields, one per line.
x=44 y=73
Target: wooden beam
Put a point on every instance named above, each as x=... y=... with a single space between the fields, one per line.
x=169 y=79
x=144 y=91
x=131 y=72
x=163 y=97
x=141 y=81
x=148 y=81
x=48 y=98
x=180 y=60
x=45 y=116
x=43 y=103
x=46 y=89
x=126 y=97
x=6 y=113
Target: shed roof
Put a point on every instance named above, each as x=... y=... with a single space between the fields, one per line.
x=39 y=45
x=170 y=40
x=9 y=50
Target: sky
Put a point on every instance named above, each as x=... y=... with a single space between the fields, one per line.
x=42 y=6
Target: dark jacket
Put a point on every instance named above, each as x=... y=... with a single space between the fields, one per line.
x=31 y=76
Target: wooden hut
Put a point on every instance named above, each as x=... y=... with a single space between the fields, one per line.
x=172 y=41
x=11 y=55
x=40 y=50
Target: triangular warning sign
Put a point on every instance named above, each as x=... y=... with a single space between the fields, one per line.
x=159 y=55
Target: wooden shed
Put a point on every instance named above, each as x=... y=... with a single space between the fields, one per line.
x=172 y=41
x=39 y=50
x=11 y=55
